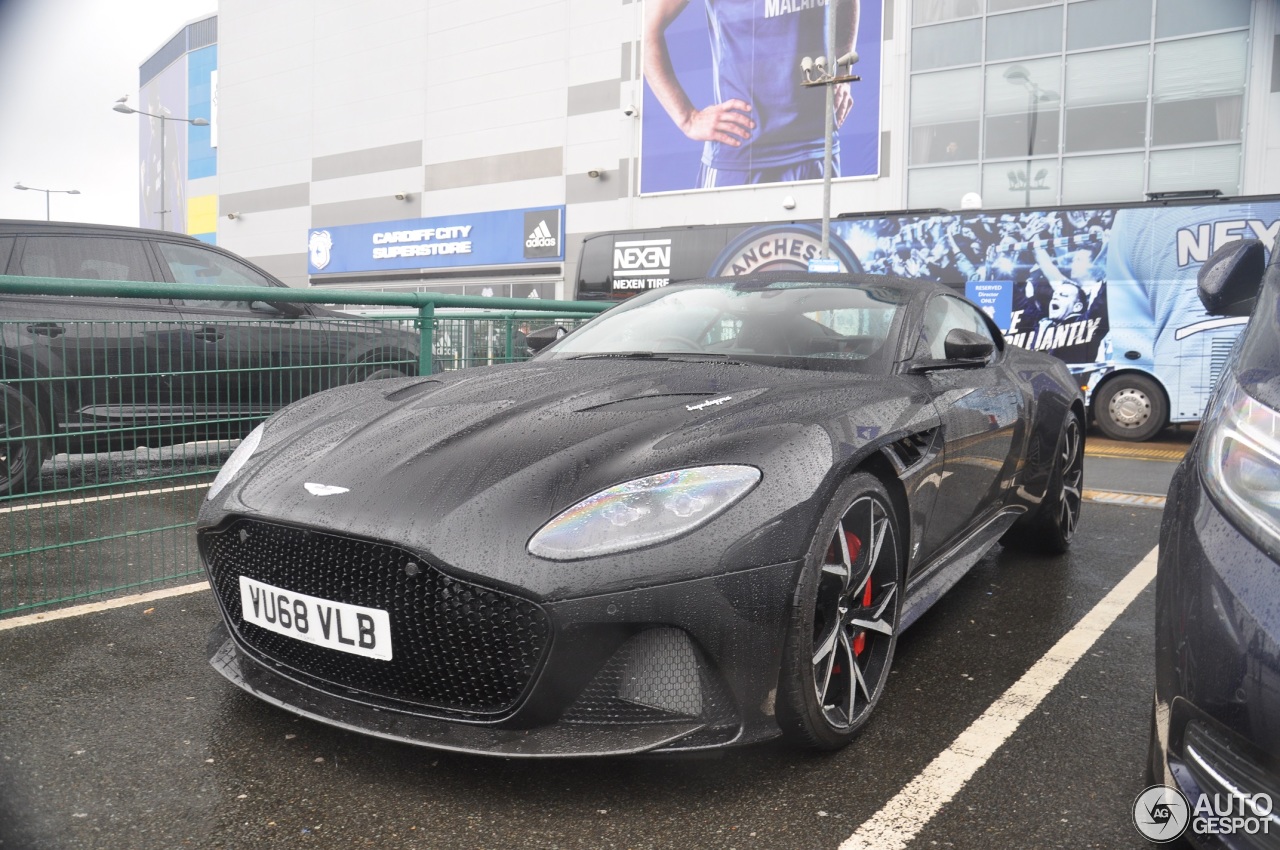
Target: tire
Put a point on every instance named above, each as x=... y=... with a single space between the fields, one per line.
x=1053 y=524
x=21 y=449
x=844 y=619
x=1131 y=407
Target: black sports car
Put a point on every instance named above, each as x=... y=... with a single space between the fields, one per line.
x=701 y=519
x=1215 y=731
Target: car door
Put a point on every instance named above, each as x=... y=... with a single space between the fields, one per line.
x=110 y=359
x=982 y=409
x=248 y=358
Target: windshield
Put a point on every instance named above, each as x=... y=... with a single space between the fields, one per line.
x=787 y=324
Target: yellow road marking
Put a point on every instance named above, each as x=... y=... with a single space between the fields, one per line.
x=1113 y=498
x=1137 y=452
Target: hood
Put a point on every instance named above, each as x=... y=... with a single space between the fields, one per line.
x=467 y=467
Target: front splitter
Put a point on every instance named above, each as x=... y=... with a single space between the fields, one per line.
x=563 y=740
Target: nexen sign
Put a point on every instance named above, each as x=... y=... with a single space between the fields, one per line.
x=641 y=264
x=649 y=256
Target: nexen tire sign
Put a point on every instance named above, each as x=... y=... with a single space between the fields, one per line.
x=502 y=237
x=641 y=264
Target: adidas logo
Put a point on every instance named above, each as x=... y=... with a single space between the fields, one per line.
x=540 y=237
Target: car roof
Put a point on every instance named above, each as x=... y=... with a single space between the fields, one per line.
x=16 y=226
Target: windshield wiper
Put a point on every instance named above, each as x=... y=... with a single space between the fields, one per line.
x=621 y=355
x=661 y=355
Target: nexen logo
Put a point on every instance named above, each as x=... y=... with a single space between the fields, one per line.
x=642 y=257
x=540 y=237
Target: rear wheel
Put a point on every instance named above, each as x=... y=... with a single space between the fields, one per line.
x=844 y=620
x=1131 y=407
x=1053 y=525
x=21 y=451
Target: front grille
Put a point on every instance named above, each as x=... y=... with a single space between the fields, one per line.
x=458 y=648
x=657 y=676
x=1222 y=767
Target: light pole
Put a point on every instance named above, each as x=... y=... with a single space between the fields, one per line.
x=194 y=122
x=816 y=73
x=1018 y=75
x=47 y=193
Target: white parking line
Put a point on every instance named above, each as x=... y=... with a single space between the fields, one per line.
x=36 y=506
x=902 y=818
x=95 y=607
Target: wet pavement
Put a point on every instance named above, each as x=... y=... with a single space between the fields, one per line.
x=115 y=733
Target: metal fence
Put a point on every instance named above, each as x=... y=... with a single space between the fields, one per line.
x=113 y=427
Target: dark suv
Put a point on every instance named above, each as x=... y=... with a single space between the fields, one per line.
x=89 y=373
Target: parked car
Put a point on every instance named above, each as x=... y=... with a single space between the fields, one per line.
x=701 y=519
x=1215 y=731
x=89 y=373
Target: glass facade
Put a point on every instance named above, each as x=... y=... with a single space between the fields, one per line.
x=1074 y=101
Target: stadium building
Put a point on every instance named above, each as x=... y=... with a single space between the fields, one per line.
x=468 y=147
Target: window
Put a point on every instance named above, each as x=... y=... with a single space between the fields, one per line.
x=1106 y=99
x=86 y=257
x=1022 y=108
x=192 y=264
x=933 y=11
x=1184 y=17
x=1112 y=177
x=1102 y=23
x=945 y=108
x=942 y=46
x=1031 y=33
x=1198 y=89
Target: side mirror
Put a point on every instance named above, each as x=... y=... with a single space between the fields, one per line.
x=1229 y=280
x=967 y=345
x=541 y=338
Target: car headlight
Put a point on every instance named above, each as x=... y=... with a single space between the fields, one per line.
x=1240 y=466
x=238 y=458
x=643 y=512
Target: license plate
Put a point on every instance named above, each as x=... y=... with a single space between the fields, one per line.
x=336 y=625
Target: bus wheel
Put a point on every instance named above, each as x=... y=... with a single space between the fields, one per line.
x=1131 y=407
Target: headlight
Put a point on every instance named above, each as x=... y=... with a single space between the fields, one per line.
x=643 y=512
x=1240 y=466
x=229 y=469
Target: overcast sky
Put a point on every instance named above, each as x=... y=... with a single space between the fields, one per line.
x=63 y=64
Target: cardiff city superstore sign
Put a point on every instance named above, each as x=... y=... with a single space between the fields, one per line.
x=501 y=237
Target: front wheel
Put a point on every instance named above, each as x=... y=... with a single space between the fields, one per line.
x=1131 y=407
x=844 y=619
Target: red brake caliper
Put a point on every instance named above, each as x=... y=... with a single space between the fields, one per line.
x=855 y=546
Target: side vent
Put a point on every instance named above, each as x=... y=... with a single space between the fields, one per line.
x=911 y=449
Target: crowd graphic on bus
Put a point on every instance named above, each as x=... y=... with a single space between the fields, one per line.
x=1052 y=265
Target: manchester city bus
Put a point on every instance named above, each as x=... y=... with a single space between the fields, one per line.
x=1110 y=289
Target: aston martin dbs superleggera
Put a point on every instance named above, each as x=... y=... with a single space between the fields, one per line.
x=701 y=519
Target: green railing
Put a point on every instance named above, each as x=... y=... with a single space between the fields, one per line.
x=119 y=401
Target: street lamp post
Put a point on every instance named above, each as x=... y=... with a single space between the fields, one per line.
x=1018 y=75
x=194 y=122
x=47 y=193
x=825 y=71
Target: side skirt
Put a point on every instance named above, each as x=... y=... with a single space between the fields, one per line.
x=930 y=583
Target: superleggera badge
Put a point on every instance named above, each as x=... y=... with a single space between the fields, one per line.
x=324 y=489
x=710 y=403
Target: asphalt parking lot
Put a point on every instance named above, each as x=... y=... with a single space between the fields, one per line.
x=115 y=733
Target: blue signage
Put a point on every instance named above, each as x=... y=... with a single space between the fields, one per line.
x=826 y=265
x=503 y=237
x=995 y=297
